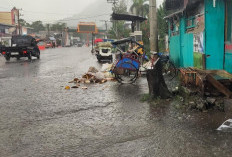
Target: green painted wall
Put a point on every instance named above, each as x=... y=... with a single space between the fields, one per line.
x=175 y=50
x=187 y=50
x=181 y=47
x=214 y=34
x=198 y=60
x=228 y=62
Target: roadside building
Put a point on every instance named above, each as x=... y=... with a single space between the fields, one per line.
x=8 y=25
x=200 y=33
x=6 y=33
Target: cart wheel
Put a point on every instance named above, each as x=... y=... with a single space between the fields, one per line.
x=128 y=76
x=38 y=55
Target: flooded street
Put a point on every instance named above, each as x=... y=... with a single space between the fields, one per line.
x=38 y=117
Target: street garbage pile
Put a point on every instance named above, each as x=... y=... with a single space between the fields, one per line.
x=93 y=76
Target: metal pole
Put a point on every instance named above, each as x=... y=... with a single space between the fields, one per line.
x=19 y=24
x=153 y=26
x=92 y=43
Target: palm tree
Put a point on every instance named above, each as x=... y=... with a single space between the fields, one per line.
x=140 y=7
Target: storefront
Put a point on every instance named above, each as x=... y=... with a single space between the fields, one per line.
x=200 y=34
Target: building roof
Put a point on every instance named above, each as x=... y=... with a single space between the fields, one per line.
x=3 y=24
x=127 y=17
x=175 y=7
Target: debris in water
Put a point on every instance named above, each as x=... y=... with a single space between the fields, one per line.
x=76 y=80
x=84 y=87
x=226 y=126
x=87 y=81
x=92 y=70
x=94 y=76
x=76 y=86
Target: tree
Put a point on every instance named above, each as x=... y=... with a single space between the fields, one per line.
x=58 y=26
x=162 y=27
x=140 y=7
x=145 y=28
x=119 y=30
x=120 y=8
x=37 y=26
x=24 y=23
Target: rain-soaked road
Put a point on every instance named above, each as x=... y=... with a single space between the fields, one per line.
x=39 y=118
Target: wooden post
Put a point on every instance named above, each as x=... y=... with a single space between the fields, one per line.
x=153 y=26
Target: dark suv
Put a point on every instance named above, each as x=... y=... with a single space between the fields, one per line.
x=21 y=46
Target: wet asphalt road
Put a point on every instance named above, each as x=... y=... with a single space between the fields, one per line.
x=39 y=118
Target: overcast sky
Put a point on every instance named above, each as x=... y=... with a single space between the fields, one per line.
x=48 y=11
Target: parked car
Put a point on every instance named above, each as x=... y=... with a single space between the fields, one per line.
x=79 y=44
x=41 y=45
x=48 y=44
x=21 y=46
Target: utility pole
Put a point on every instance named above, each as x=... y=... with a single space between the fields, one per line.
x=153 y=26
x=48 y=30
x=113 y=1
x=19 y=27
x=106 y=25
x=114 y=22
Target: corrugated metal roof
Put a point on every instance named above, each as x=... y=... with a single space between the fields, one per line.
x=127 y=17
x=7 y=25
x=175 y=7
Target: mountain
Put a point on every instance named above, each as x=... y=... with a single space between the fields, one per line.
x=98 y=11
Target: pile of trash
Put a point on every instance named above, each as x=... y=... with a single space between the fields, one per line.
x=93 y=76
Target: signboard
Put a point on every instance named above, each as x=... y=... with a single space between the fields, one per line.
x=85 y=27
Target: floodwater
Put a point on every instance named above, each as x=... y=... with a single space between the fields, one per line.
x=39 y=118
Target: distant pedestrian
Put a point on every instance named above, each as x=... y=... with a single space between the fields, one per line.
x=53 y=44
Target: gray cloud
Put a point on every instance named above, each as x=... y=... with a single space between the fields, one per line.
x=49 y=10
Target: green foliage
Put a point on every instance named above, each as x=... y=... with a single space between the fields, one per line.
x=120 y=8
x=24 y=23
x=145 y=97
x=37 y=26
x=140 y=8
x=145 y=28
x=162 y=27
x=58 y=26
x=119 y=29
